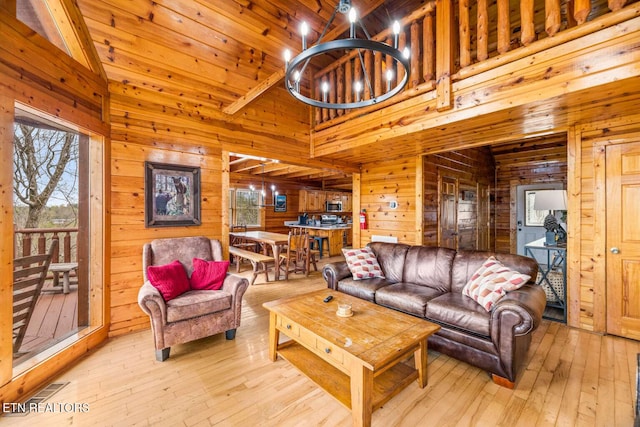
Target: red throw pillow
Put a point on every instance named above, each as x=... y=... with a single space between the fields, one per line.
x=208 y=275
x=170 y=279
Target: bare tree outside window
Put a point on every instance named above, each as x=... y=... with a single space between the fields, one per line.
x=45 y=176
x=247 y=210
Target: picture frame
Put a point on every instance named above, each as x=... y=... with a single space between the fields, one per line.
x=172 y=195
x=280 y=203
x=532 y=217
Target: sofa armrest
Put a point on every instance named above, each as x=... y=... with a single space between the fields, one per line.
x=334 y=272
x=527 y=304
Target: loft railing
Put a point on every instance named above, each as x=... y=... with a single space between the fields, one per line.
x=32 y=241
x=450 y=40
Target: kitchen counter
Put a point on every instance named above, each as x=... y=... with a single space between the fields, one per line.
x=322 y=227
x=334 y=233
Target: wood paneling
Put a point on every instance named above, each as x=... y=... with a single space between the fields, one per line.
x=530 y=161
x=381 y=183
x=468 y=167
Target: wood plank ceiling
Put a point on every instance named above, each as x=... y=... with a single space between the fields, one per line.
x=219 y=53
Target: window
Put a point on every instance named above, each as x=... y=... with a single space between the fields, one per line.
x=244 y=207
x=57 y=172
x=533 y=218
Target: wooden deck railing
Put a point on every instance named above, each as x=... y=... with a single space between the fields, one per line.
x=449 y=39
x=32 y=241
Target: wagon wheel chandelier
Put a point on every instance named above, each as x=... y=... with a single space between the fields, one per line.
x=399 y=60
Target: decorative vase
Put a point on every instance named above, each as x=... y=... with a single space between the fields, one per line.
x=550 y=238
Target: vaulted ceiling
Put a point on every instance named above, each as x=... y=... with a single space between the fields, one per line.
x=221 y=53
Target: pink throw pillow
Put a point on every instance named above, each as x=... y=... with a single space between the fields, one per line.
x=170 y=279
x=492 y=281
x=208 y=275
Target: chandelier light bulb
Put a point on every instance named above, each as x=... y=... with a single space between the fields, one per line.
x=357 y=87
x=406 y=52
x=325 y=90
x=389 y=76
x=352 y=20
x=304 y=30
x=396 y=32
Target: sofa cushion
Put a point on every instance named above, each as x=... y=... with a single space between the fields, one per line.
x=362 y=263
x=197 y=303
x=169 y=279
x=429 y=266
x=492 y=281
x=208 y=275
x=391 y=257
x=364 y=289
x=407 y=297
x=461 y=312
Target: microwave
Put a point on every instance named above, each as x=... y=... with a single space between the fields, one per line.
x=334 y=206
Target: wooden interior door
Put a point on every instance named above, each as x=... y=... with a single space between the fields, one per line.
x=623 y=239
x=449 y=213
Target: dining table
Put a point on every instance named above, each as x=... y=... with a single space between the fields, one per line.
x=275 y=240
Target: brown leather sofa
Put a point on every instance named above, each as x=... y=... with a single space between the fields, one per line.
x=427 y=282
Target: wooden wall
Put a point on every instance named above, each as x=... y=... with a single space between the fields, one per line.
x=470 y=167
x=147 y=126
x=534 y=161
x=382 y=183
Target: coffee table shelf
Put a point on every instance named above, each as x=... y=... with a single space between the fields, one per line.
x=359 y=360
x=336 y=383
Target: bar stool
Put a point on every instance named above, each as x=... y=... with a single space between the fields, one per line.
x=318 y=240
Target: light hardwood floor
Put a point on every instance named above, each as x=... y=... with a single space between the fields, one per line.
x=572 y=378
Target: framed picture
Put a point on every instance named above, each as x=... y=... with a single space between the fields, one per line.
x=280 y=204
x=172 y=195
x=532 y=217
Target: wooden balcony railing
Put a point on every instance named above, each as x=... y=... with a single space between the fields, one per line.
x=453 y=39
x=32 y=241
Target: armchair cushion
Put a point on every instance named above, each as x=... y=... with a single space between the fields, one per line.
x=208 y=275
x=197 y=303
x=170 y=279
x=492 y=281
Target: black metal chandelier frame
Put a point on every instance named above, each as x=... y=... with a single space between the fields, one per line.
x=300 y=62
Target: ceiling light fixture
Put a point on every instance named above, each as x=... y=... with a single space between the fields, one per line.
x=396 y=60
x=263 y=192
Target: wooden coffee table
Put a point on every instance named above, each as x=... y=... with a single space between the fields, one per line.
x=355 y=359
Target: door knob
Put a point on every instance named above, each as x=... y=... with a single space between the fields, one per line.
x=615 y=250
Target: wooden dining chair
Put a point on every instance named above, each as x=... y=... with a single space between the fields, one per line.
x=298 y=255
x=29 y=274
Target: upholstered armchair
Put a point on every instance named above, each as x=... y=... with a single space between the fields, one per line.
x=194 y=314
